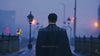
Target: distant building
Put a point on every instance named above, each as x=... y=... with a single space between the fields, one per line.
x=7 y=20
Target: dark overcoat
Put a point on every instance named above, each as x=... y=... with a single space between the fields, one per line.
x=52 y=41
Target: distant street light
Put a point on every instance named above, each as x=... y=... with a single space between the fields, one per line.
x=37 y=25
x=19 y=32
x=33 y=22
x=7 y=30
x=72 y=20
x=69 y=21
x=64 y=12
x=30 y=17
x=96 y=24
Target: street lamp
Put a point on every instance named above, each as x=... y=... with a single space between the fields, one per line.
x=64 y=12
x=37 y=24
x=30 y=17
x=69 y=20
x=64 y=22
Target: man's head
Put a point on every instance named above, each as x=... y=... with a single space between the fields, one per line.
x=52 y=18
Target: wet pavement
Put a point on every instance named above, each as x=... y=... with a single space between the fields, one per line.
x=31 y=52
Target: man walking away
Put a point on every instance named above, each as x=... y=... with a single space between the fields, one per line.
x=52 y=40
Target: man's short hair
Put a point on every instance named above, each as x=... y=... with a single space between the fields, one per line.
x=52 y=17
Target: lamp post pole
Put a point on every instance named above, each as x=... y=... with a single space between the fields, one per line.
x=30 y=35
x=64 y=12
x=37 y=25
x=30 y=17
x=75 y=19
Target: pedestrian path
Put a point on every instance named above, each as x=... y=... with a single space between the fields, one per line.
x=26 y=52
x=22 y=52
x=76 y=54
x=31 y=52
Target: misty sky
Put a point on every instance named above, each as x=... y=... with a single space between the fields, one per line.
x=87 y=12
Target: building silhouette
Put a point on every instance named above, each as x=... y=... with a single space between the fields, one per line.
x=7 y=20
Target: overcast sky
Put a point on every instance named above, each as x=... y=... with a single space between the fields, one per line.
x=87 y=12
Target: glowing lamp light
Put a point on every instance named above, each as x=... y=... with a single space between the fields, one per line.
x=19 y=31
x=96 y=24
x=33 y=22
x=72 y=21
x=7 y=30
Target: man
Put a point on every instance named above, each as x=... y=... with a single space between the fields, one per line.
x=52 y=40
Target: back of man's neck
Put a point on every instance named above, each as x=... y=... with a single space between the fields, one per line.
x=53 y=23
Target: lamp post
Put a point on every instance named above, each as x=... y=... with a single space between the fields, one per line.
x=64 y=12
x=37 y=25
x=75 y=12
x=69 y=20
x=30 y=17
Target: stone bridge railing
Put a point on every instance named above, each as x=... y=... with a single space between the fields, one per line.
x=89 y=45
x=9 y=43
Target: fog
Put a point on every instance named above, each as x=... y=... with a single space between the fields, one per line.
x=87 y=13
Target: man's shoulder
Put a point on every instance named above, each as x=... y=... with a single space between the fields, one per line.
x=60 y=29
x=56 y=29
x=42 y=29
